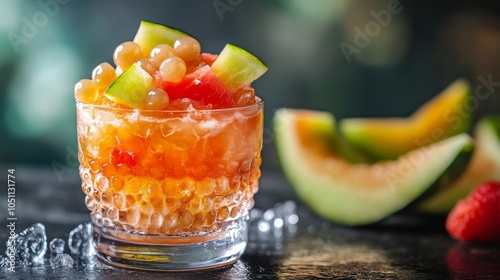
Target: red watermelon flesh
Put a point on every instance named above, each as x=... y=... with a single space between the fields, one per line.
x=199 y=85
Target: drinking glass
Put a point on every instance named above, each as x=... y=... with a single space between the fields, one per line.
x=169 y=190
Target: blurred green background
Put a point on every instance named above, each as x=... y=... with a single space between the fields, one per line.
x=350 y=57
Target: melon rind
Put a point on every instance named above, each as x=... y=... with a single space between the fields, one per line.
x=236 y=67
x=445 y=115
x=484 y=166
x=131 y=87
x=358 y=194
x=151 y=34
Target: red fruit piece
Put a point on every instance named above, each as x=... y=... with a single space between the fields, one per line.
x=123 y=157
x=200 y=85
x=477 y=217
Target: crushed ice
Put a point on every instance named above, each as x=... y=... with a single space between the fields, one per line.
x=268 y=231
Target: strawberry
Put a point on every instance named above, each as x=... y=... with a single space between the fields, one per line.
x=477 y=217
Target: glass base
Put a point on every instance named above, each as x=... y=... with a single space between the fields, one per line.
x=171 y=253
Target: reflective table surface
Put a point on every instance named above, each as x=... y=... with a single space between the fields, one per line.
x=404 y=246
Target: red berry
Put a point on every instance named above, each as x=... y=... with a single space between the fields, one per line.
x=477 y=217
x=123 y=157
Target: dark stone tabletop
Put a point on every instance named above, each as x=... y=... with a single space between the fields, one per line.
x=402 y=247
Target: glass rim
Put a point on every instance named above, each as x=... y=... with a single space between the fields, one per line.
x=260 y=103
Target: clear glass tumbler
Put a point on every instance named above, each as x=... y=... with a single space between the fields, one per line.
x=169 y=190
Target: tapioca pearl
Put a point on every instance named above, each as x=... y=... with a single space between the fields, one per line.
x=186 y=219
x=245 y=181
x=245 y=165
x=173 y=205
x=101 y=182
x=222 y=186
x=188 y=187
x=187 y=47
x=156 y=99
x=89 y=202
x=105 y=198
x=116 y=183
x=87 y=189
x=122 y=216
x=255 y=187
x=86 y=91
x=230 y=198
x=218 y=200
x=254 y=175
x=173 y=69
x=170 y=221
x=133 y=216
x=156 y=220
x=126 y=54
x=232 y=167
x=85 y=175
x=94 y=165
x=251 y=203
x=238 y=197
x=147 y=65
x=194 y=205
x=146 y=206
x=256 y=163
x=160 y=53
x=119 y=201
x=133 y=185
x=118 y=71
x=235 y=211
x=235 y=183
x=107 y=222
x=222 y=213
x=207 y=203
x=205 y=186
x=199 y=220
x=158 y=204
x=113 y=214
x=103 y=75
x=171 y=189
x=211 y=216
x=144 y=220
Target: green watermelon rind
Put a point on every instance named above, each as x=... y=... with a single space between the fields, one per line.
x=131 y=87
x=151 y=34
x=237 y=67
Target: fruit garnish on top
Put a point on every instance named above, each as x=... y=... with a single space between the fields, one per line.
x=164 y=69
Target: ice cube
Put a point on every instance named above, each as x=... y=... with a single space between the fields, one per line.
x=80 y=240
x=56 y=246
x=61 y=260
x=269 y=230
x=30 y=245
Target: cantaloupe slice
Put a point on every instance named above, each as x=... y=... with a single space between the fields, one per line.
x=445 y=115
x=357 y=194
x=484 y=167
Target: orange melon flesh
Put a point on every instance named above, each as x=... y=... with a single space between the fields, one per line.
x=443 y=116
x=484 y=166
x=355 y=194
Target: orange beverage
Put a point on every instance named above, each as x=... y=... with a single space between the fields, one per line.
x=169 y=177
